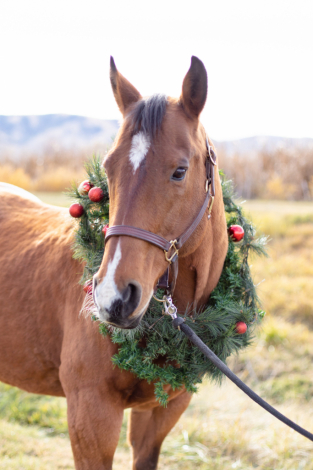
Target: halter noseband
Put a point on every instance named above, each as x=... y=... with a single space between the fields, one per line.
x=171 y=248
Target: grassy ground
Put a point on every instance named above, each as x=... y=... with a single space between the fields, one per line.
x=57 y=199
x=222 y=429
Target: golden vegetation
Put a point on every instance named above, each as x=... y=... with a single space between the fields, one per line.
x=53 y=171
x=17 y=176
x=286 y=173
x=222 y=429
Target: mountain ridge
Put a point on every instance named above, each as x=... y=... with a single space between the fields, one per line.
x=21 y=135
x=35 y=133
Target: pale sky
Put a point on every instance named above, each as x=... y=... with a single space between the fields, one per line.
x=54 y=58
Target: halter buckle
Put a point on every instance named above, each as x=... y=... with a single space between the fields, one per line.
x=167 y=256
x=211 y=204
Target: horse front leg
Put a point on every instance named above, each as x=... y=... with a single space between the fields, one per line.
x=94 y=423
x=148 y=428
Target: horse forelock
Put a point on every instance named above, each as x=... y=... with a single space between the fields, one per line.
x=147 y=115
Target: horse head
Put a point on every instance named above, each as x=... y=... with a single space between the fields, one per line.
x=156 y=174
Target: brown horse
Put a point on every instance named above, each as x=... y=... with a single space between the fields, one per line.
x=156 y=175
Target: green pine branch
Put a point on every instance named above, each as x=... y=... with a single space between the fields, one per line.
x=168 y=357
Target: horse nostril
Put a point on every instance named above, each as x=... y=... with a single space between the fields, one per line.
x=127 y=293
x=131 y=298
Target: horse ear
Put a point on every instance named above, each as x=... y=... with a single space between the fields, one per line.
x=195 y=88
x=124 y=92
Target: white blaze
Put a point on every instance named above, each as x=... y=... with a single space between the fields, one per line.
x=139 y=149
x=106 y=292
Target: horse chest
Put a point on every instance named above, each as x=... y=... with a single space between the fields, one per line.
x=139 y=393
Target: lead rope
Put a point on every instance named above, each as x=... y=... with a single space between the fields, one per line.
x=178 y=323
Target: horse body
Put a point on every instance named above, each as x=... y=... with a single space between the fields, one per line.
x=33 y=269
x=45 y=347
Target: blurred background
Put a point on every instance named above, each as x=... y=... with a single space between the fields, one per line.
x=57 y=110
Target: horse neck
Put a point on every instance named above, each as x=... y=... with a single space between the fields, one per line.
x=200 y=271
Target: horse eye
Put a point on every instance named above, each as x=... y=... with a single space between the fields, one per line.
x=179 y=174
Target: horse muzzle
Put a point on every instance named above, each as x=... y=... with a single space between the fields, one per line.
x=119 y=308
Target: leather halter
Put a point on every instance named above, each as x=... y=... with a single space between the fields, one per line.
x=171 y=248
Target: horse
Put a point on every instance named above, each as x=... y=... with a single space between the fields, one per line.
x=156 y=178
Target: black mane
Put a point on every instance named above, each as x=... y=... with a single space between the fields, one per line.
x=148 y=114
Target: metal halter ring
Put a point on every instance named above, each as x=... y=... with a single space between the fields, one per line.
x=173 y=245
x=213 y=159
x=159 y=300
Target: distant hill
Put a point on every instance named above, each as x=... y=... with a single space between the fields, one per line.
x=253 y=145
x=25 y=134
x=22 y=135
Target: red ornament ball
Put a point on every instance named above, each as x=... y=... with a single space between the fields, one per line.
x=105 y=228
x=84 y=188
x=76 y=210
x=236 y=232
x=96 y=194
x=241 y=327
x=88 y=287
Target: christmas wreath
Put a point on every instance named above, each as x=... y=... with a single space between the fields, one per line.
x=155 y=351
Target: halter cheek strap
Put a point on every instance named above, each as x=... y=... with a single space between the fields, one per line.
x=171 y=248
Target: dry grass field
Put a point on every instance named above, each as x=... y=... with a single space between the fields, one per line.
x=222 y=429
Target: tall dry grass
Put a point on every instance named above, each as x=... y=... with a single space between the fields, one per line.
x=282 y=174
x=55 y=170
